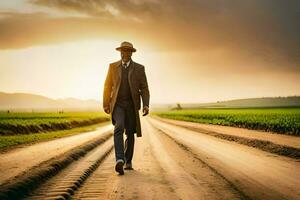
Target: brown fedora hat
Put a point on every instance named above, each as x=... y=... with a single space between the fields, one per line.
x=126 y=45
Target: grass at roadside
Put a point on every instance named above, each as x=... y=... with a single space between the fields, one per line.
x=279 y=120
x=28 y=123
x=7 y=142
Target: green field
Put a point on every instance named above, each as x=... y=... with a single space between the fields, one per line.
x=23 y=128
x=27 y=123
x=278 y=120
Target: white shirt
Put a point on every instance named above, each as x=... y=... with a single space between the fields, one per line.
x=127 y=64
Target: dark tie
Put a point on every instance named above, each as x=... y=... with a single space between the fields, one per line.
x=125 y=65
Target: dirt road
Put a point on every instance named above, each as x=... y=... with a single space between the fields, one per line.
x=172 y=162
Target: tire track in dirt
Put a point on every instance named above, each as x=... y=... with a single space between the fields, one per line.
x=66 y=182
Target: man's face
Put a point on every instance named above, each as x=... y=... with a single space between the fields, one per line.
x=126 y=54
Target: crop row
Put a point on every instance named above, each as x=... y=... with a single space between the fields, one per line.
x=285 y=121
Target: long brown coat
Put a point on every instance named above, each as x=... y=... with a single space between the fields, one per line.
x=138 y=86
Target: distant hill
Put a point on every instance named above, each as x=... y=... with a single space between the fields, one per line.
x=290 y=101
x=29 y=102
x=32 y=102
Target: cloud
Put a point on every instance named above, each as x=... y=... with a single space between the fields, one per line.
x=104 y=8
x=250 y=30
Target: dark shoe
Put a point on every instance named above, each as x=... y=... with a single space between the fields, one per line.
x=119 y=167
x=128 y=166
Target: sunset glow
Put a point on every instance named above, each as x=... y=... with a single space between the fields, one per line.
x=61 y=50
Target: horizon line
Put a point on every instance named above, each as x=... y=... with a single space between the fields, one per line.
x=175 y=102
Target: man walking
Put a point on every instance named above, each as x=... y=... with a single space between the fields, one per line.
x=125 y=85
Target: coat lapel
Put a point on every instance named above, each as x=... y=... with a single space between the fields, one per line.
x=119 y=69
x=131 y=68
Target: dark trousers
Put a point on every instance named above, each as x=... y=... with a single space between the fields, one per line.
x=124 y=120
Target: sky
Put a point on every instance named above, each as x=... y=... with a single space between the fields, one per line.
x=194 y=51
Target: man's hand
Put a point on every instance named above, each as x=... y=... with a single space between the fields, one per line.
x=107 y=110
x=145 y=110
